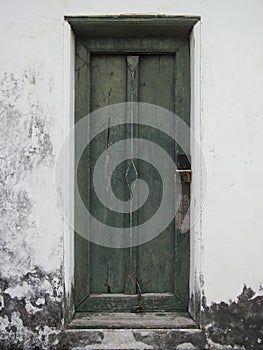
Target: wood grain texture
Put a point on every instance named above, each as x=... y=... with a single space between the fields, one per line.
x=161 y=265
x=127 y=303
x=108 y=86
x=82 y=108
x=182 y=109
x=156 y=258
x=146 y=46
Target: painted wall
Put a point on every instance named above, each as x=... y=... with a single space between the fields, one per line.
x=34 y=123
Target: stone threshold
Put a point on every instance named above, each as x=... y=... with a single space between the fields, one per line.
x=119 y=320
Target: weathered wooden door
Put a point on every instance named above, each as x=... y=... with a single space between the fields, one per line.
x=152 y=276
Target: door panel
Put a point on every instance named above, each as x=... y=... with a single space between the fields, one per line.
x=108 y=86
x=108 y=80
x=160 y=266
x=107 y=269
x=156 y=258
x=157 y=83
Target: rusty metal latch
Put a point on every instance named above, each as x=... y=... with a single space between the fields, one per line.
x=183 y=171
x=184 y=175
x=138 y=308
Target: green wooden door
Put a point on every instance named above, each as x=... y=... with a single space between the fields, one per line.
x=152 y=276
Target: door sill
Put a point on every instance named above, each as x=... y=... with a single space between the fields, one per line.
x=111 y=303
x=145 y=320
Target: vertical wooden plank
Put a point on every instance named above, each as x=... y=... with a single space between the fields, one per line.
x=108 y=86
x=82 y=108
x=108 y=80
x=156 y=257
x=82 y=81
x=156 y=84
x=182 y=82
x=107 y=269
x=132 y=167
x=182 y=109
x=132 y=78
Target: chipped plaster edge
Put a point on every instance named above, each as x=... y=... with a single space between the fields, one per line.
x=68 y=183
x=195 y=278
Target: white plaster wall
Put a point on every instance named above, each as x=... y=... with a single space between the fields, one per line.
x=232 y=120
x=32 y=50
x=231 y=125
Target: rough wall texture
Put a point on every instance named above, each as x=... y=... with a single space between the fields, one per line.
x=31 y=318
x=31 y=311
x=25 y=145
x=31 y=273
x=236 y=324
x=30 y=297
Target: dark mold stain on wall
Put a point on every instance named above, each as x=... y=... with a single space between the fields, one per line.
x=31 y=321
x=30 y=298
x=172 y=339
x=239 y=323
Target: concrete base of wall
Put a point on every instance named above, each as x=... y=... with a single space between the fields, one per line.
x=135 y=339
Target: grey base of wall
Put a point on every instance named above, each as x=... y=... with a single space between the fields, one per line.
x=235 y=325
x=136 y=339
x=129 y=339
x=239 y=323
